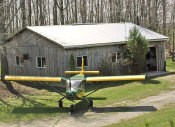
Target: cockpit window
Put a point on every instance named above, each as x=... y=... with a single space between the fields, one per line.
x=76 y=83
x=68 y=85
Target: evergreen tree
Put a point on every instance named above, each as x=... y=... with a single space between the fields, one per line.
x=137 y=47
x=72 y=62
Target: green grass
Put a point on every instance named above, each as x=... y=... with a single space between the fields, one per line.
x=30 y=107
x=170 y=65
x=37 y=106
x=162 y=118
x=131 y=91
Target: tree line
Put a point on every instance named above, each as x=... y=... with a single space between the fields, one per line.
x=156 y=15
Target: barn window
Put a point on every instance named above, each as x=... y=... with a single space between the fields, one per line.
x=26 y=56
x=19 y=60
x=41 y=62
x=117 y=57
x=113 y=57
x=79 y=61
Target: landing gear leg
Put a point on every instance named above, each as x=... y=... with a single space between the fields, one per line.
x=90 y=102
x=72 y=108
x=60 y=102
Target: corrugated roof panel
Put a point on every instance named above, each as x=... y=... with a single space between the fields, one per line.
x=82 y=35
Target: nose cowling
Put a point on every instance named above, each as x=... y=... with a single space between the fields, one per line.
x=71 y=94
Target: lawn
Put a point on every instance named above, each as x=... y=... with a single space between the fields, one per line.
x=170 y=65
x=44 y=104
x=162 y=118
x=31 y=107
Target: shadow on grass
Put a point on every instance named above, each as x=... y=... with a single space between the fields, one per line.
x=150 y=81
x=90 y=87
x=43 y=85
x=124 y=109
x=19 y=96
x=81 y=110
x=5 y=103
x=40 y=110
x=81 y=106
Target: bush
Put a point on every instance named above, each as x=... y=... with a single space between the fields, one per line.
x=107 y=67
x=72 y=62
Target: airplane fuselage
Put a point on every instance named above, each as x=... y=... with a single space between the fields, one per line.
x=75 y=88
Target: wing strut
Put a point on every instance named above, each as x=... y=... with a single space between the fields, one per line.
x=53 y=88
x=94 y=91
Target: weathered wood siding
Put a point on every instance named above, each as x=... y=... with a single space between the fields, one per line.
x=95 y=55
x=34 y=45
x=58 y=58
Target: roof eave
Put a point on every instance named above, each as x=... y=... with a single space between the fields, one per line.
x=93 y=45
x=162 y=39
x=109 y=43
x=9 y=38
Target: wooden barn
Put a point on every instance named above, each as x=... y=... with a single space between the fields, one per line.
x=46 y=50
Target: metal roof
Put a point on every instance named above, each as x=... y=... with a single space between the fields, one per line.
x=71 y=36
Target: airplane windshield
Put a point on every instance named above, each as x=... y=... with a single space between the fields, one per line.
x=76 y=83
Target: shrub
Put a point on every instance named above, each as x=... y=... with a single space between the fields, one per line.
x=72 y=62
x=107 y=67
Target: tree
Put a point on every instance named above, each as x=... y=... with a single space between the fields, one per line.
x=2 y=34
x=55 y=13
x=137 y=47
x=41 y=18
x=61 y=9
x=30 y=13
x=2 y=24
x=75 y=13
x=22 y=2
x=37 y=13
x=164 y=16
x=83 y=10
x=72 y=62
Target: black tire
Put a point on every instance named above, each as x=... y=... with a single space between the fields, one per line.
x=91 y=104
x=60 y=104
x=72 y=108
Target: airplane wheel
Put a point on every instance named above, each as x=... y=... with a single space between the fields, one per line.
x=60 y=104
x=72 y=108
x=90 y=103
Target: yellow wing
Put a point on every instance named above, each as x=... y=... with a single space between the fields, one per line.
x=30 y=78
x=116 y=78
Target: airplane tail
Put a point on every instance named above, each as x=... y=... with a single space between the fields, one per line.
x=82 y=70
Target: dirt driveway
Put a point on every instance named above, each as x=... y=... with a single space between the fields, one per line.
x=101 y=116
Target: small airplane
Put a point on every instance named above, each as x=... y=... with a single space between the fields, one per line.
x=75 y=87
